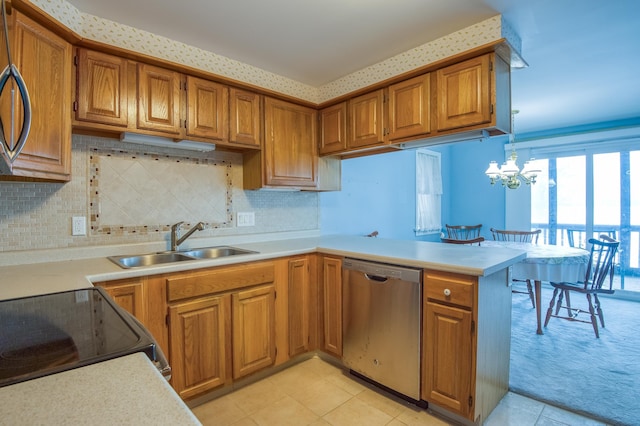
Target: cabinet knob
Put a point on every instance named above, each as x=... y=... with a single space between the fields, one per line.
x=447 y=292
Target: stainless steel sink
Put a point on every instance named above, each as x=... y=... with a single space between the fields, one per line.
x=136 y=261
x=215 y=252
x=148 y=259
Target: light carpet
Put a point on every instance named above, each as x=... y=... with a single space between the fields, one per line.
x=570 y=368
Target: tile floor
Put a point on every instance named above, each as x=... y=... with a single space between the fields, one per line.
x=315 y=392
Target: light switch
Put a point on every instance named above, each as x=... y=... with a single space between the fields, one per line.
x=246 y=218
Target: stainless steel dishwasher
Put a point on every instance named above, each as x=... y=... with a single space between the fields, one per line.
x=381 y=324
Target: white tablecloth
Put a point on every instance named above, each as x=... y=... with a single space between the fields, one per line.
x=546 y=262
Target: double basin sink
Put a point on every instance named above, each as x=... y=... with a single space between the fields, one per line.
x=151 y=259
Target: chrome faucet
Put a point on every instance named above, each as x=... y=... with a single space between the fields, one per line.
x=176 y=239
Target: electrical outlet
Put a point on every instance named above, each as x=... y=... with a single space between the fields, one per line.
x=82 y=296
x=246 y=219
x=78 y=225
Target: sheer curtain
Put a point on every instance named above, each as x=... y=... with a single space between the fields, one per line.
x=428 y=192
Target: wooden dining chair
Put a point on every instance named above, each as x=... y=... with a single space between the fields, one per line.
x=516 y=236
x=521 y=237
x=598 y=280
x=470 y=242
x=463 y=232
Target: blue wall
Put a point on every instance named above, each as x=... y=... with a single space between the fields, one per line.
x=473 y=200
x=378 y=192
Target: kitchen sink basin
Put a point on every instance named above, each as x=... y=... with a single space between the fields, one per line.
x=148 y=259
x=215 y=252
x=136 y=261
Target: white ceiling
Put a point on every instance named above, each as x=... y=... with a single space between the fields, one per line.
x=583 y=56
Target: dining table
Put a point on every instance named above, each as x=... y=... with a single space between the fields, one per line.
x=546 y=262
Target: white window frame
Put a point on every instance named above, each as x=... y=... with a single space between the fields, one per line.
x=428 y=192
x=519 y=201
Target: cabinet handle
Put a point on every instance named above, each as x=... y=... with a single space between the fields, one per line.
x=447 y=292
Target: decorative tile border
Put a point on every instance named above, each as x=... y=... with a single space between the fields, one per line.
x=146 y=192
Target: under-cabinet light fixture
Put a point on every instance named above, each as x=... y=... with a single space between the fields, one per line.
x=166 y=142
x=478 y=135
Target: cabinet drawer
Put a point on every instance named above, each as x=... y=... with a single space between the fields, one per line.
x=199 y=283
x=450 y=288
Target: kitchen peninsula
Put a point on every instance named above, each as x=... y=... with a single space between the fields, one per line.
x=479 y=274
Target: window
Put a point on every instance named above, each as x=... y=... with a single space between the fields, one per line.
x=589 y=191
x=428 y=192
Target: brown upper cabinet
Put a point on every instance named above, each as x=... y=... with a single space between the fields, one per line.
x=45 y=62
x=464 y=94
x=115 y=95
x=159 y=100
x=101 y=88
x=246 y=117
x=333 y=128
x=474 y=94
x=207 y=109
x=410 y=108
x=367 y=120
x=289 y=156
x=378 y=118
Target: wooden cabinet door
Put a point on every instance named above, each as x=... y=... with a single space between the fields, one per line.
x=159 y=99
x=199 y=344
x=290 y=150
x=245 y=117
x=447 y=357
x=130 y=295
x=45 y=62
x=207 y=109
x=464 y=94
x=333 y=129
x=332 y=305
x=101 y=88
x=367 y=120
x=410 y=108
x=299 y=306
x=253 y=330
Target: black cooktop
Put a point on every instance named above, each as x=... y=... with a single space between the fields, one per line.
x=45 y=334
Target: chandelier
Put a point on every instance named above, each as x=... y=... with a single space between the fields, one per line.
x=509 y=173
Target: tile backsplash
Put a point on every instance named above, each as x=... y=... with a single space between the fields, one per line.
x=133 y=191
x=131 y=196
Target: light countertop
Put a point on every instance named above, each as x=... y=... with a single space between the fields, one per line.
x=20 y=280
x=126 y=390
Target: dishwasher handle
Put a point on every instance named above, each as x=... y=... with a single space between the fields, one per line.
x=382 y=272
x=377 y=278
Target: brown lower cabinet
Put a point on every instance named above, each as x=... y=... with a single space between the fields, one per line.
x=448 y=358
x=253 y=325
x=299 y=293
x=212 y=336
x=200 y=344
x=465 y=350
x=130 y=295
x=220 y=324
x=331 y=300
x=217 y=325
